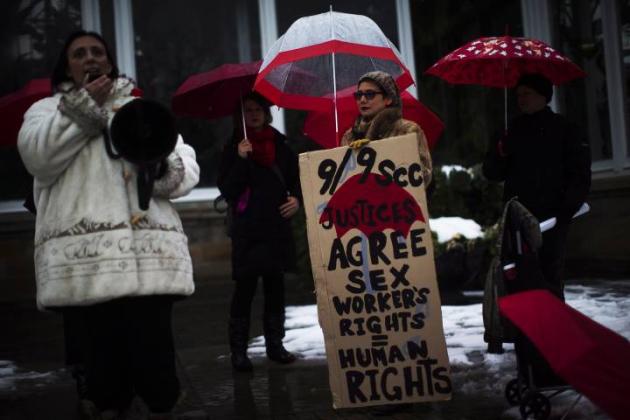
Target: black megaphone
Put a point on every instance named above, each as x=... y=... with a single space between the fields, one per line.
x=143 y=132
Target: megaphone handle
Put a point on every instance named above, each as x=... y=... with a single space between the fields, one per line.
x=108 y=145
x=146 y=178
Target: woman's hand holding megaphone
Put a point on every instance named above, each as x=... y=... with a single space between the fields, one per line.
x=244 y=148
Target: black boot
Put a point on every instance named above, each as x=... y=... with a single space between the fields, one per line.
x=239 y=335
x=273 y=326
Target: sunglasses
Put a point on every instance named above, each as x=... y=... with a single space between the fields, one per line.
x=369 y=94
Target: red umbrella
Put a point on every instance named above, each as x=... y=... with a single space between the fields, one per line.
x=587 y=355
x=215 y=93
x=320 y=126
x=335 y=49
x=14 y=105
x=500 y=61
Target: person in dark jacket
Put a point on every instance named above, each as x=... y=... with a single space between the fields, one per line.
x=545 y=162
x=259 y=178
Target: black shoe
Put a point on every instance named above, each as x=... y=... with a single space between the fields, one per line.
x=273 y=326
x=278 y=353
x=80 y=379
x=87 y=410
x=241 y=363
x=239 y=336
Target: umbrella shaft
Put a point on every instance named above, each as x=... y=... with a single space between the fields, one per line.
x=334 y=75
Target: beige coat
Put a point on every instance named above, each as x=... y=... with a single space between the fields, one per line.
x=389 y=123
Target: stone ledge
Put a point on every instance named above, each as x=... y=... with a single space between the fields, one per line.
x=617 y=183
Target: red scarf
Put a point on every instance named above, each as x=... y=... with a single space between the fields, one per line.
x=263 y=145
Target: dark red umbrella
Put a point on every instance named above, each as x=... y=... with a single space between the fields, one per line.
x=215 y=93
x=500 y=61
x=587 y=355
x=320 y=126
x=14 y=105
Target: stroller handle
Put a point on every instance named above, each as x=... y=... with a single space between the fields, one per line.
x=545 y=225
x=548 y=224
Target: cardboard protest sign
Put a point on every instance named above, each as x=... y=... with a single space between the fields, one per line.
x=372 y=257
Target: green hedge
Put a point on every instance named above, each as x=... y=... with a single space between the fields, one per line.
x=465 y=193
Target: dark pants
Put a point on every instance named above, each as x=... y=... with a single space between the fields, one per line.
x=129 y=350
x=551 y=258
x=245 y=289
x=74 y=335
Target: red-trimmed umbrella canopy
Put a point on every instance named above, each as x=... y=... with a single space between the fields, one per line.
x=215 y=93
x=320 y=126
x=501 y=61
x=589 y=356
x=14 y=105
x=335 y=49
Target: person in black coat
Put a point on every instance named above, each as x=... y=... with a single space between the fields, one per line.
x=545 y=162
x=259 y=179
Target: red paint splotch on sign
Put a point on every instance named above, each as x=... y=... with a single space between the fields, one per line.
x=371 y=206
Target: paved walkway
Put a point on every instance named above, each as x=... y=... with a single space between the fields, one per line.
x=34 y=341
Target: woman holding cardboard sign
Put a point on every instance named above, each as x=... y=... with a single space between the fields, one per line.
x=379 y=103
x=259 y=178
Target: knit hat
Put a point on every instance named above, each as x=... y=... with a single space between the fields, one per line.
x=386 y=83
x=537 y=82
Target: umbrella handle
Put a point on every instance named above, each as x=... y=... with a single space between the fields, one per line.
x=505 y=103
x=243 y=118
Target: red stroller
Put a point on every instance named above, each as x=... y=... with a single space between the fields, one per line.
x=585 y=354
x=536 y=383
x=555 y=345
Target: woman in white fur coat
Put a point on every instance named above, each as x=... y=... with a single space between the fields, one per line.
x=96 y=252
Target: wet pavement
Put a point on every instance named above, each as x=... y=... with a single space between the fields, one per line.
x=33 y=341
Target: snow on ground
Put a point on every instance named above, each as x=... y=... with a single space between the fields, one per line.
x=447 y=227
x=473 y=370
x=10 y=375
x=463 y=325
x=447 y=169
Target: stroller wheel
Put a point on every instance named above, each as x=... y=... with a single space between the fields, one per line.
x=514 y=391
x=535 y=405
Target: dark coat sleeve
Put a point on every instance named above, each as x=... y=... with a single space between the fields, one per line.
x=293 y=175
x=233 y=175
x=577 y=170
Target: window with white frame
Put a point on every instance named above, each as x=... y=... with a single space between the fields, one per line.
x=592 y=33
x=624 y=28
x=33 y=33
x=172 y=42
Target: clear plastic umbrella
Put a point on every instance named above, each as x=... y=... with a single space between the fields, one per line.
x=322 y=54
